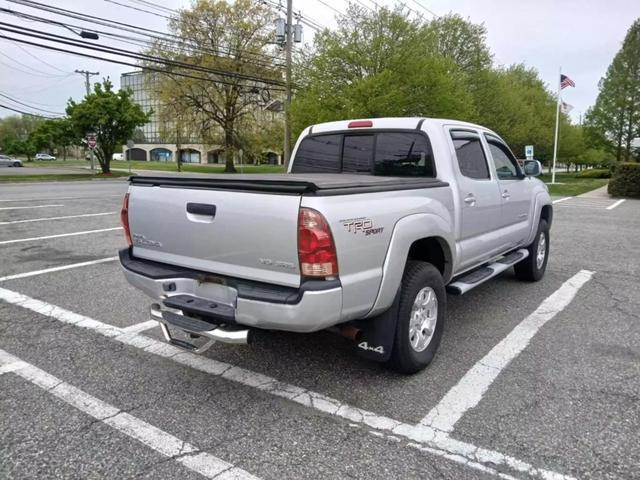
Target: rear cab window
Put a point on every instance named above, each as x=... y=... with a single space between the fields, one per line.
x=382 y=153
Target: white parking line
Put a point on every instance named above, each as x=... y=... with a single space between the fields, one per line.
x=162 y=442
x=561 y=199
x=58 y=198
x=31 y=206
x=440 y=442
x=44 y=219
x=57 y=269
x=611 y=207
x=47 y=237
x=140 y=327
x=468 y=392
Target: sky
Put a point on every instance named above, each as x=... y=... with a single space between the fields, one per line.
x=580 y=36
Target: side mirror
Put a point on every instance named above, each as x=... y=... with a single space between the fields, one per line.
x=532 y=168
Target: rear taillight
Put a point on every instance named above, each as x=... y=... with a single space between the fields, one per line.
x=124 y=219
x=316 y=249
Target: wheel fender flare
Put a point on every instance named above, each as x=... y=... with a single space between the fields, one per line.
x=406 y=231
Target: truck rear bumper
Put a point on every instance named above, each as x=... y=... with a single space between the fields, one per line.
x=314 y=306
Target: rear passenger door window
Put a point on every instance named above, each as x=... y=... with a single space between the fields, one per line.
x=472 y=161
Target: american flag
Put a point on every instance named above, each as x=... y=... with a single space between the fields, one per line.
x=566 y=82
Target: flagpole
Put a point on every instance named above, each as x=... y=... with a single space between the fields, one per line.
x=555 y=141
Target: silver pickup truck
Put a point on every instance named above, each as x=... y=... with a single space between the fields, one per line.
x=374 y=222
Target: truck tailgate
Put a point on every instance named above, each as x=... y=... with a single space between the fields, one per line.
x=247 y=235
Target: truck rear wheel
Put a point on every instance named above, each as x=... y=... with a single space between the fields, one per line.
x=532 y=268
x=421 y=314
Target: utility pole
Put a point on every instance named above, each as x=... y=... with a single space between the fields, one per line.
x=87 y=74
x=87 y=85
x=287 y=103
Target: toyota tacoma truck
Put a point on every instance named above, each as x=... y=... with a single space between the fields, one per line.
x=374 y=222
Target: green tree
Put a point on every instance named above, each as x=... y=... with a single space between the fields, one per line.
x=616 y=113
x=459 y=40
x=241 y=32
x=16 y=132
x=54 y=133
x=370 y=67
x=112 y=116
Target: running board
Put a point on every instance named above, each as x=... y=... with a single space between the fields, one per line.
x=482 y=274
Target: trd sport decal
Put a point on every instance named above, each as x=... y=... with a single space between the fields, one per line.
x=361 y=225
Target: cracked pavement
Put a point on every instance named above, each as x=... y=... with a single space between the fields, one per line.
x=568 y=403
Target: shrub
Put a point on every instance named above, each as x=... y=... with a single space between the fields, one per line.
x=625 y=181
x=595 y=173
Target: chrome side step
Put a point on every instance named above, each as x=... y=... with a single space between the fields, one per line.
x=482 y=274
x=197 y=328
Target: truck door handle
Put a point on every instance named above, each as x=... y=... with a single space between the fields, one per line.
x=506 y=195
x=470 y=200
x=201 y=209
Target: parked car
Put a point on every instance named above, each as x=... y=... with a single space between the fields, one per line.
x=117 y=156
x=374 y=222
x=44 y=157
x=6 y=161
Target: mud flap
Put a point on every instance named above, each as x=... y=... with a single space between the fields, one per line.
x=376 y=336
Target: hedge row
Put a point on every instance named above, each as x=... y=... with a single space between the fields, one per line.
x=595 y=173
x=625 y=181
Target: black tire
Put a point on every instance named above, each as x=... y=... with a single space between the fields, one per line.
x=17 y=164
x=417 y=275
x=528 y=270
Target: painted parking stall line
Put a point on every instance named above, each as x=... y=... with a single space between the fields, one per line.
x=151 y=436
x=31 y=206
x=616 y=204
x=48 y=219
x=61 y=235
x=559 y=200
x=141 y=327
x=439 y=442
x=41 y=199
x=468 y=392
x=57 y=269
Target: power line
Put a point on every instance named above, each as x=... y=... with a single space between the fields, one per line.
x=37 y=72
x=154 y=5
x=120 y=25
x=39 y=59
x=37 y=103
x=138 y=9
x=168 y=44
x=26 y=113
x=128 y=53
x=330 y=7
x=425 y=8
x=30 y=106
x=119 y=62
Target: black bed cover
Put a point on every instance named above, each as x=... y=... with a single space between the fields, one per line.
x=291 y=183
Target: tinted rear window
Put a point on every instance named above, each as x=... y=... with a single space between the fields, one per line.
x=394 y=154
x=319 y=154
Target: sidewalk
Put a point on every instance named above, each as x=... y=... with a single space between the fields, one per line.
x=597 y=193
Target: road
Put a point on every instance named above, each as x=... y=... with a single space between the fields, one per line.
x=534 y=380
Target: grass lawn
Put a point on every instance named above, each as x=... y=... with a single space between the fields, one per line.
x=194 y=168
x=567 y=185
x=61 y=177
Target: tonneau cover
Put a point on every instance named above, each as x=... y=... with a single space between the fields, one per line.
x=291 y=183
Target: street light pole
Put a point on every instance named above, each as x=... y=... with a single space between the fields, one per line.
x=287 y=103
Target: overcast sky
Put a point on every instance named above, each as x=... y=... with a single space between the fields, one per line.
x=581 y=36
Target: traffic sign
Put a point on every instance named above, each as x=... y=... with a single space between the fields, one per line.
x=528 y=152
x=92 y=142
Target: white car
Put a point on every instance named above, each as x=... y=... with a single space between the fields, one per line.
x=44 y=156
x=117 y=156
x=6 y=161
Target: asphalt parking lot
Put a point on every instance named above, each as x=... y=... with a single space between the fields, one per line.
x=531 y=380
